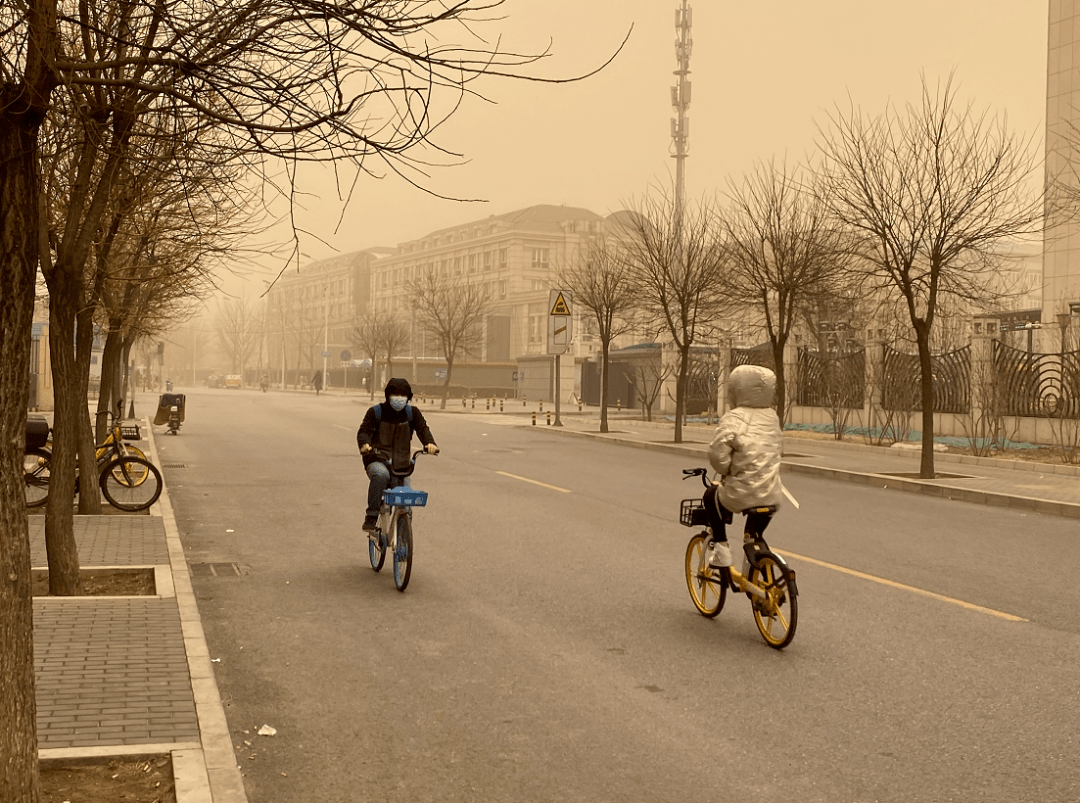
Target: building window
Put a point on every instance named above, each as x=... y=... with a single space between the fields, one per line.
x=472 y=263
x=540 y=258
x=487 y=260
x=502 y=257
x=502 y=289
x=457 y=266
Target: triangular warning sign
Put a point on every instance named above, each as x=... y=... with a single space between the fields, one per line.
x=560 y=308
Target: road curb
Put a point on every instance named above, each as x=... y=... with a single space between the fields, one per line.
x=936 y=488
x=207 y=773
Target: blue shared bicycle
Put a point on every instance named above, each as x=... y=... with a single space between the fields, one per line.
x=393 y=531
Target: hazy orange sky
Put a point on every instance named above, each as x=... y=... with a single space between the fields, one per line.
x=764 y=76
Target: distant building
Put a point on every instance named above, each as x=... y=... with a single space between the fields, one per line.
x=1061 y=261
x=515 y=256
x=318 y=305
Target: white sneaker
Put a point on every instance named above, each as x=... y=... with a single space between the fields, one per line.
x=719 y=554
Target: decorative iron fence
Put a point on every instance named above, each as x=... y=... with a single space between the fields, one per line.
x=1037 y=385
x=951 y=376
x=756 y=355
x=701 y=383
x=833 y=381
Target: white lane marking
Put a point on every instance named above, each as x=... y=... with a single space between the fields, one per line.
x=893 y=584
x=534 y=482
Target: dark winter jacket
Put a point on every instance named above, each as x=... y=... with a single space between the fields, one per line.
x=391 y=435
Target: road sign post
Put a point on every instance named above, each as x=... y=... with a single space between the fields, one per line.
x=560 y=333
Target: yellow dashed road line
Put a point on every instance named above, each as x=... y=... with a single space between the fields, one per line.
x=941 y=597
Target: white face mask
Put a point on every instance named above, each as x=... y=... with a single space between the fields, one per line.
x=398 y=402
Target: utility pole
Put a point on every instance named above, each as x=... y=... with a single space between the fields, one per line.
x=680 y=101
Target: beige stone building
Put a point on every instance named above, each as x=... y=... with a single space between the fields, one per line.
x=515 y=256
x=1061 y=262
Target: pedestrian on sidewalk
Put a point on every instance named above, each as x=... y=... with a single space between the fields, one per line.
x=317 y=382
x=385 y=441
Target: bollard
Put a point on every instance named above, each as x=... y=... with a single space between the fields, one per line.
x=579 y=407
x=463 y=405
x=500 y=405
x=549 y=418
x=474 y=403
x=534 y=419
x=541 y=405
x=488 y=404
x=524 y=400
x=618 y=405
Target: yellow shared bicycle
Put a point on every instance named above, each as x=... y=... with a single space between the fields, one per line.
x=765 y=577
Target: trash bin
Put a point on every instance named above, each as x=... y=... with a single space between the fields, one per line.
x=165 y=404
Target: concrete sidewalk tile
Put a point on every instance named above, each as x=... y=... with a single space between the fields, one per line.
x=190 y=777
x=227 y=785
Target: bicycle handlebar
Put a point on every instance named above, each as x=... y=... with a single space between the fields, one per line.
x=698 y=472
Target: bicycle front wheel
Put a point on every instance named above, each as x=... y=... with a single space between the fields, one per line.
x=136 y=474
x=403 y=553
x=36 y=471
x=131 y=483
x=777 y=614
x=707 y=589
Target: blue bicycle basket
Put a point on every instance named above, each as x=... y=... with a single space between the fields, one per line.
x=405 y=497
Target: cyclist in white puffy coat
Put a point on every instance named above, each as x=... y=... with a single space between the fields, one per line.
x=746 y=451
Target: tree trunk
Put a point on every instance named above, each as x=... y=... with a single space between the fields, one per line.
x=781 y=379
x=110 y=397
x=680 y=389
x=19 y=781
x=605 y=348
x=446 y=384
x=59 y=528
x=926 y=371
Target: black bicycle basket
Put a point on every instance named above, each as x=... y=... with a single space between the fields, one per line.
x=692 y=513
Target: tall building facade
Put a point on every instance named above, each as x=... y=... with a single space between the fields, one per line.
x=316 y=309
x=1061 y=260
x=515 y=257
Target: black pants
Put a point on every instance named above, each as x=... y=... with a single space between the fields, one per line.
x=719 y=516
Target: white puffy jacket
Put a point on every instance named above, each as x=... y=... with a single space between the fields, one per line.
x=748 y=443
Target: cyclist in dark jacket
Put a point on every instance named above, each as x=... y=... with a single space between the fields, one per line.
x=385 y=441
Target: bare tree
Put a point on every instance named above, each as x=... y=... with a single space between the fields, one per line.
x=782 y=247
x=240 y=324
x=453 y=311
x=647 y=379
x=362 y=86
x=928 y=193
x=602 y=283
x=677 y=268
x=381 y=333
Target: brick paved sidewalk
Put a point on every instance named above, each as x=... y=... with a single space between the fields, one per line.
x=132 y=675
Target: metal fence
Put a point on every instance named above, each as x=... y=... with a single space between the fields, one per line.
x=1037 y=385
x=831 y=380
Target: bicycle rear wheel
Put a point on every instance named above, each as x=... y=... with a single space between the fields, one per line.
x=403 y=553
x=707 y=589
x=776 y=615
x=131 y=483
x=376 y=545
x=36 y=470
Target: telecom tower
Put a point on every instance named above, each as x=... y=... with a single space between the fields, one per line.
x=680 y=101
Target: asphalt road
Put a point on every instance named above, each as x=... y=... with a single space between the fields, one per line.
x=547 y=649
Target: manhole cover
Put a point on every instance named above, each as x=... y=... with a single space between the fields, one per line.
x=215 y=569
